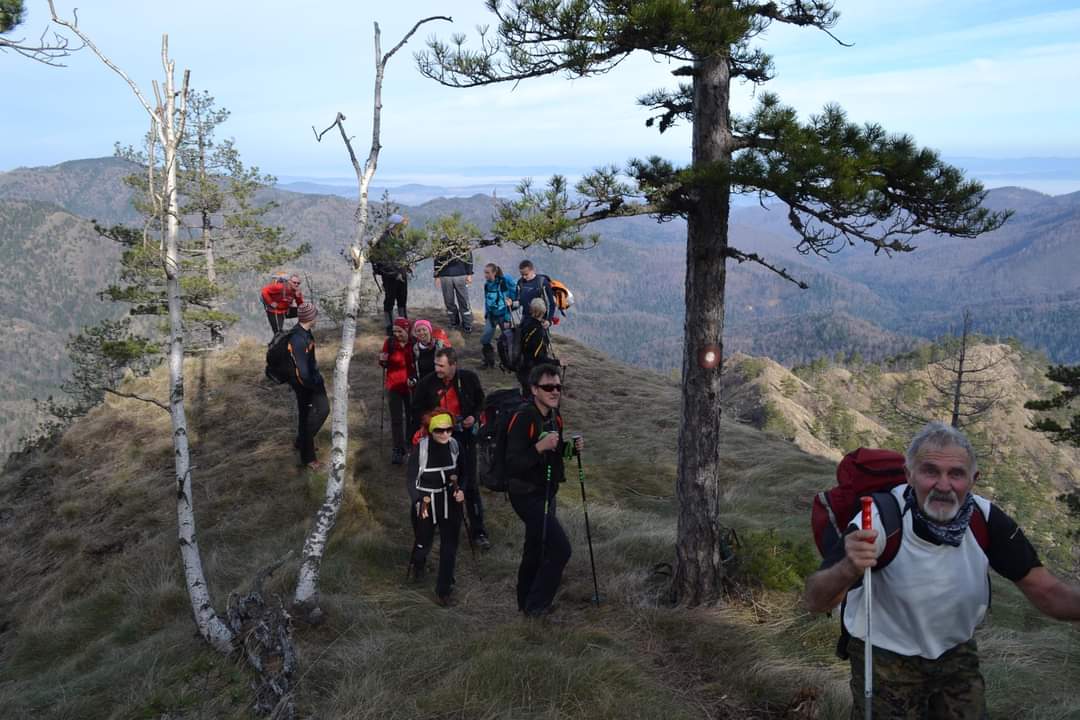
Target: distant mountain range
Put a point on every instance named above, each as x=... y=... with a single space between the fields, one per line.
x=1021 y=280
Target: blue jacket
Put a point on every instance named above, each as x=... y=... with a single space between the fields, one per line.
x=494 y=293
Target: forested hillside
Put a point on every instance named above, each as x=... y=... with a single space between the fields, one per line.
x=54 y=265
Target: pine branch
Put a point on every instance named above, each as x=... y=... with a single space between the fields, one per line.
x=741 y=257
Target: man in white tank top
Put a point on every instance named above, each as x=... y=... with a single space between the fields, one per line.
x=928 y=600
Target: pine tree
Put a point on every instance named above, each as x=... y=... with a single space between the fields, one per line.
x=841 y=183
x=222 y=234
x=46 y=52
x=1069 y=377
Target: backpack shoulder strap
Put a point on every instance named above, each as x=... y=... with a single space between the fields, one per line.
x=892 y=521
x=421 y=459
x=980 y=527
x=454 y=450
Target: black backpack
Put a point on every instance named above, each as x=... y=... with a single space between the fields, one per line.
x=279 y=360
x=509 y=347
x=500 y=407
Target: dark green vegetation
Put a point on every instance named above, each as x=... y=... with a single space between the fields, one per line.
x=96 y=625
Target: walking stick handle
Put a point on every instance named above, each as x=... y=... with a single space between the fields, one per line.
x=868 y=648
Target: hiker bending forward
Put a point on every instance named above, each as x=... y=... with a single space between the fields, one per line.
x=437 y=498
x=534 y=466
x=281 y=299
x=928 y=600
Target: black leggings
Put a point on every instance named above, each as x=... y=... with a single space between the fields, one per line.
x=277 y=320
x=449 y=532
x=396 y=290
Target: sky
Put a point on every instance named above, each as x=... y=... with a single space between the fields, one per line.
x=969 y=78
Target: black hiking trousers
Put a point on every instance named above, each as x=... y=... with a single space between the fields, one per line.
x=313 y=407
x=277 y=320
x=395 y=291
x=449 y=533
x=542 y=562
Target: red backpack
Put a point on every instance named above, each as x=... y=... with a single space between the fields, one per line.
x=872 y=472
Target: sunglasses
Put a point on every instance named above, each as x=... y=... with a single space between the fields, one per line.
x=550 y=387
x=442 y=430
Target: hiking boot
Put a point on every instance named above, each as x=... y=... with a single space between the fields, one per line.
x=415 y=572
x=316 y=466
x=489 y=356
x=483 y=542
x=445 y=600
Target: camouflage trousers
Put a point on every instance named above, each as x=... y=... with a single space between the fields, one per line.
x=914 y=688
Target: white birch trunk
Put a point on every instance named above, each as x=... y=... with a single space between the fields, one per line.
x=306 y=599
x=209 y=624
x=307 y=584
x=169 y=130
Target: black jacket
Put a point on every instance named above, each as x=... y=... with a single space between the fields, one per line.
x=302 y=346
x=526 y=468
x=454 y=261
x=429 y=391
x=535 y=345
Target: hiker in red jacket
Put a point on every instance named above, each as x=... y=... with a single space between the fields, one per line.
x=397 y=358
x=281 y=298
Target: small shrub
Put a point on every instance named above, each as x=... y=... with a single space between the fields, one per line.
x=768 y=561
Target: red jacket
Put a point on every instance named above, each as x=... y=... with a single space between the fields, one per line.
x=279 y=296
x=399 y=366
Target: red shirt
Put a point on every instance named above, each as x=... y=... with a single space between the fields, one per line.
x=279 y=296
x=399 y=366
x=448 y=400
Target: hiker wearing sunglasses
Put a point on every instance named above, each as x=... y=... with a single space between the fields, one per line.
x=932 y=588
x=436 y=502
x=458 y=392
x=281 y=298
x=535 y=343
x=534 y=466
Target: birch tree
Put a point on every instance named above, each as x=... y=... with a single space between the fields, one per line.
x=306 y=598
x=167 y=125
x=841 y=183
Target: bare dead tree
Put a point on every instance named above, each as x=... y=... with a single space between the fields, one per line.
x=964 y=388
x=167 y=124
x=306 y=598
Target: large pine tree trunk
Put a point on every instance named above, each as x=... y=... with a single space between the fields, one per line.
x=699 y=570
x=209 y=624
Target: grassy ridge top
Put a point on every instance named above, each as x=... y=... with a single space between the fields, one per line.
x=94 y=620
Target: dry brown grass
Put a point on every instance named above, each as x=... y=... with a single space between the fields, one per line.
x=97 y=623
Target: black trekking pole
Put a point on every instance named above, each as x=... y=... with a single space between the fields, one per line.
x=468 y=527
x=547 y=505
x=382 y=407
x=588 y=530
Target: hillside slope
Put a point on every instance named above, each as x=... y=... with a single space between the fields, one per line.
x=94 y=622
x=54 y=264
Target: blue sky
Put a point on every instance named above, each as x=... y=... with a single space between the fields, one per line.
x=967 y=77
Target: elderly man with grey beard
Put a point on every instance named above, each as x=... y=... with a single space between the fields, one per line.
x=928 y=600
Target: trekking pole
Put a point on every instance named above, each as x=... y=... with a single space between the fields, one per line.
x=868 y=650
x=468 y=527
x=547 y=505
x=382 y=408
x=588 y=531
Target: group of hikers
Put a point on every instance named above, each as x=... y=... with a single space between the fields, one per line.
x=436 y=409
x=923 y=537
